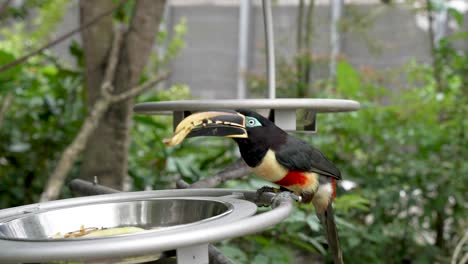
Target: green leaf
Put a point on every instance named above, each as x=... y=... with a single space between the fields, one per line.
x=458 y=16
x=148 y=120
x=351 y=201
x=317 y=246
x=11 y=73
x=76 y=51
x=235 y=254
x=348 y=81
x=313 y=222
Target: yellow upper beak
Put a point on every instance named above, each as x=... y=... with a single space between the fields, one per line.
x=210 y=123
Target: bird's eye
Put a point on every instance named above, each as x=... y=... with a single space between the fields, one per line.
x=252 y=122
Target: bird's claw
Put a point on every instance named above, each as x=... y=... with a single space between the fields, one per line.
x=278 y=192
x=266 y=189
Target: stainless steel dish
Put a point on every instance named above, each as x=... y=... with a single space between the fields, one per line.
x=186 y=220
x=152 y=215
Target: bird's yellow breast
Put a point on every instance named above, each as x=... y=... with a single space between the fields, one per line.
x=269 y=169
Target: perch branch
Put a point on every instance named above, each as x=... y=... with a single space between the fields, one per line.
x=85 y=188
x=61 y=38
x=236 y=170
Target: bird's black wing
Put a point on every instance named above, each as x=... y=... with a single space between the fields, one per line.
x=298 y=155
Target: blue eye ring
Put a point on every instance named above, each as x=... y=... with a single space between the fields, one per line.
x=252 y=122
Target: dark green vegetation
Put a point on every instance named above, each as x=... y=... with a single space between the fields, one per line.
x=405 y=150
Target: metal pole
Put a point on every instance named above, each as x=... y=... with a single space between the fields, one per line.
x=270 y=48
x=244 y=22
x=335 y=41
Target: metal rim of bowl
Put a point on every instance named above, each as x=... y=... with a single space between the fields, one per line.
x=229 y=209
x=232 y=225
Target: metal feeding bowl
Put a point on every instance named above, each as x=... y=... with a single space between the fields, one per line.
x=185 y=220
x=155 y=215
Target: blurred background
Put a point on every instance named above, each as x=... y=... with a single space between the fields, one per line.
x=403 y=155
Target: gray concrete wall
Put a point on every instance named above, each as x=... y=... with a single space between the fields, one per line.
x=209 y=62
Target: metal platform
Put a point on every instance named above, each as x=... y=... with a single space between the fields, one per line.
x=283 y=111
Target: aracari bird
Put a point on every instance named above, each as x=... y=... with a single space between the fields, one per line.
x=275 y=156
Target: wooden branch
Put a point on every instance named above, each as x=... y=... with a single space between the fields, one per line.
x=113 y=59
x=236 y=170
x=4 y=107
x=4 y=6
x=458 y=248
x=61 y=38
x=58 y=176
x=464 y=260
x=436 y=71
x=85 y=188
x=300 y=17
x=139 y=89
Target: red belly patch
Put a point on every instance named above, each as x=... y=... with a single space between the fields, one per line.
x=293 y=178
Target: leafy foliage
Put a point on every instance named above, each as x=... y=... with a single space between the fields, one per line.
x=404 y=151
x=45 y=114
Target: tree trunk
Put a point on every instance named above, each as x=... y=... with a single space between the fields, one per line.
x=106 y=152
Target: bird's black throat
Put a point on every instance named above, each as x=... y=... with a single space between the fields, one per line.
x=259 y=141
x=251 y=153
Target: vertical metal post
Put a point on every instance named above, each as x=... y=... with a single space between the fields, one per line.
x=335 y=41
x=270 y=48
x=244 y=22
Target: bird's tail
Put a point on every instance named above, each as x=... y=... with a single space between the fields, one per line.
x=327 y=219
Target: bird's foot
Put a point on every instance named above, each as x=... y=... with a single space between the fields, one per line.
x=260 y=200
x=266 y=189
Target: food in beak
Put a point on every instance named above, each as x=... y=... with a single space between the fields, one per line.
x=211 y=123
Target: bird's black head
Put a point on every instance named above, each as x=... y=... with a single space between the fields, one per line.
x=262 y=135
x=253 y=133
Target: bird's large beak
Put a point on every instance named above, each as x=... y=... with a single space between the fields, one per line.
x=210 y=123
